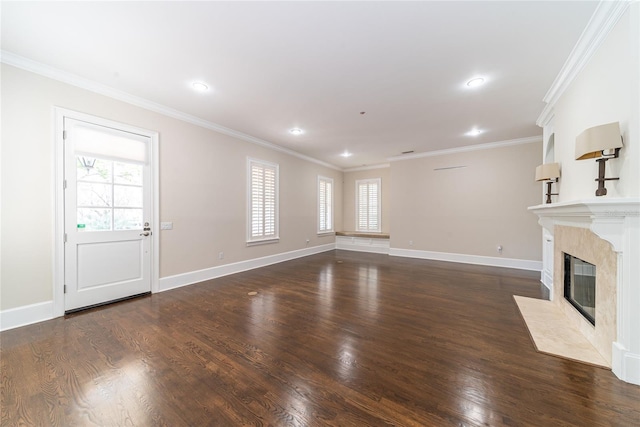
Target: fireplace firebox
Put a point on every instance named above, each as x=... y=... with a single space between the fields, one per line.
x=580 y=286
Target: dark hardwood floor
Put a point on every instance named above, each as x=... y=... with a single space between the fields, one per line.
x=340 y=338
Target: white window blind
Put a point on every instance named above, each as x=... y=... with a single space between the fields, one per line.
x=109 y=143
x=325 y=204
x=368 y=205
x=263 y=201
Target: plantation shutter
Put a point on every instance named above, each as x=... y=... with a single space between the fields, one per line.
x=263 y=209
x=368 y=205
x=325 y=204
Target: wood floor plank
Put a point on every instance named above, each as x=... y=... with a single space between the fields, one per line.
x=334 y=339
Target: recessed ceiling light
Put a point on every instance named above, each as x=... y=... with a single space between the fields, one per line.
x=346 y=154
x=296 y=131
x=474 y=132
x=475 y=82
x=199 y=86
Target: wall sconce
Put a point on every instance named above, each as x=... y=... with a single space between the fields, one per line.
x=592 y=144
x=549 y=172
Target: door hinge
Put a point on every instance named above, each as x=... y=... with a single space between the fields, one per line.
x=64 y=134
x=65 y=237
x=64 y=184
x=65 y=289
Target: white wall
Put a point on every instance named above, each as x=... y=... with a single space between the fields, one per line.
x=605 y=91
x=468 y=203
x=202 y=188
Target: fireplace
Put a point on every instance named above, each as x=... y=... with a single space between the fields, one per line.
x=580 y=286
x=604 y=232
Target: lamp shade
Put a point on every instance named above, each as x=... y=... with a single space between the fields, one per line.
x=591 y=142
x=547 y=171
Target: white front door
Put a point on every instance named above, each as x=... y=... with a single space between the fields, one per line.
x=107 y=214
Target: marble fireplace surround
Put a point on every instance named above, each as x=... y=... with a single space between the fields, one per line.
x=607 y=231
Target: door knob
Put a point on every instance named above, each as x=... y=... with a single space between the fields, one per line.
x=146 y=233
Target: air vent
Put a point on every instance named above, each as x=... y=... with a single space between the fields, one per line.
x=449 y=167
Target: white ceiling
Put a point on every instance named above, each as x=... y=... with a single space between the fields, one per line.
x=273 y=66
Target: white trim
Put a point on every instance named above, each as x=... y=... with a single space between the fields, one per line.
x=154 y=161
x=363 y=244
x=603 y=20
x=367 y=168
x=75 y=80
x=26 y=315
x=547 y=280
x=262 y=239
x=58 y=242
x=378 y=182
x=521 y=264
x=327 y=180
x=325 y=234
x=184 y=279
x=58 y=217
x=467 y=148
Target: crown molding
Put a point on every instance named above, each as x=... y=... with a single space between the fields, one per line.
x=477 y=147
x=603 y=20
x=366 y=168
x=26 y=64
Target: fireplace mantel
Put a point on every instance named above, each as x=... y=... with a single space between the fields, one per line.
x=607 y=218
x=617 y=221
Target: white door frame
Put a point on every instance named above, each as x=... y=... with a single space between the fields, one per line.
x=58 y=238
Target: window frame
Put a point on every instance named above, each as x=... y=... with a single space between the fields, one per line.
x=329 y=181
x=263 y=238
x=378 y=182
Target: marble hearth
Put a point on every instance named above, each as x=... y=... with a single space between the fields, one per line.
x=606 y=233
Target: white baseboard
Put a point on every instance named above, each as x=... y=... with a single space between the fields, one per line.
x=521 y=264
x=363 y=244
x=26 y=315
x=547 y=280
x=625 y=365
x=22 y=316
x=184 y=279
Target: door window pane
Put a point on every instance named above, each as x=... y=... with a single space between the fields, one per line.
x=127 y=173
x=126 y=196
x=91 y=219
x=104 y=184
x=93 y=194
x=127 y=219
x=93 y=170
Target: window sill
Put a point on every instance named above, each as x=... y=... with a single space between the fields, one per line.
x=263 y=242
x=326 y=233
x=367 y=235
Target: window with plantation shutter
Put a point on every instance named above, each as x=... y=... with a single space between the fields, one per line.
x=368 y=205
x=325 y=204
x=263 y=202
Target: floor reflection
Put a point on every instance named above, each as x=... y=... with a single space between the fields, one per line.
x=368 y=288
x=263 y=306
x=346 y=367
x=474 y=400
x=325 y=290
x=111 y=393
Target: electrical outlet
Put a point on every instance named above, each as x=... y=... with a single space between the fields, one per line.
x=307 y=241
x=410 y=242
x=499 y=249
x=221 y=255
